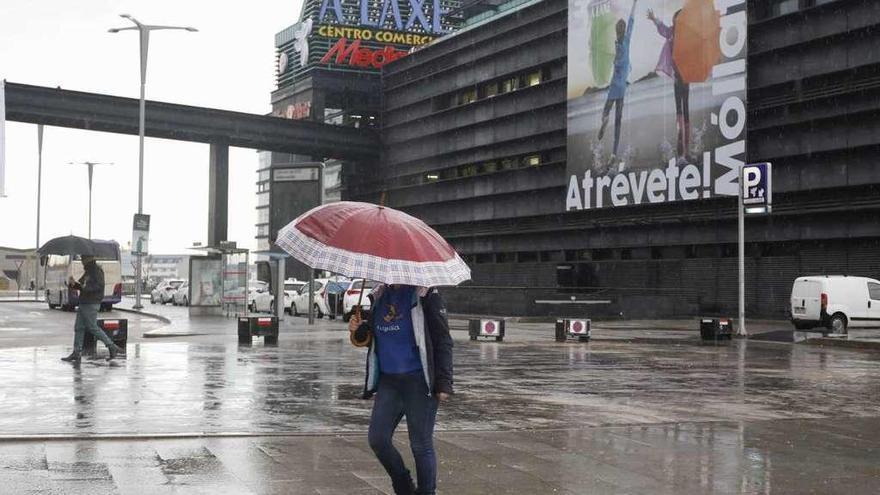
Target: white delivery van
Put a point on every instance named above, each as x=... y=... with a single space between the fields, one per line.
x=835 y=302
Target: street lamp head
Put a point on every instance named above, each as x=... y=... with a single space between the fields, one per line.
x=191 y=29
x=125 y=16
x=113 y=30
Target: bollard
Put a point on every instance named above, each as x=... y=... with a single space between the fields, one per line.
x=116 y=329
x=489 y=329
x=258 y=326
x=581 y=329
x=716 y=329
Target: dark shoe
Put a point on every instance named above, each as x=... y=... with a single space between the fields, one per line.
x=74 y=357
x=114 y=351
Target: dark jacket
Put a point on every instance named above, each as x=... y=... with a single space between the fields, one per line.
x=91 y=284
x=431 y=330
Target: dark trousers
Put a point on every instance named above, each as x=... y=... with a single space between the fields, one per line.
x=682 y=114
x=618 y=114
x=399 y=396
x=87 y=321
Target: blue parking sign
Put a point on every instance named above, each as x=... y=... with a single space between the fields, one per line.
x=757 y=186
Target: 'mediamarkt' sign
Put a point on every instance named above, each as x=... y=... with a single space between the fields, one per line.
x=401 y=15
x=656 y=101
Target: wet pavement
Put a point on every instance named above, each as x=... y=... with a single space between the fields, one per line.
x=783 y=457
x=29 y=324
x=531 y=416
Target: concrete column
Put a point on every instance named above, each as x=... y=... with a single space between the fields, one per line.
x=218 y=193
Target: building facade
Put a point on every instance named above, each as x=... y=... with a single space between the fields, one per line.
x=474 y=133
x=18 y=269
x=328 y=70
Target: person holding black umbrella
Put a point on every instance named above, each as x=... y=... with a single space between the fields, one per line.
x=91 y=293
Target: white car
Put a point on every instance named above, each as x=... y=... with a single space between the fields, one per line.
x=353 y=295
x=164 y=292
x=835 y=302
x=181 y=295
x=255 y=288
x=264 y=301
x=300 y=301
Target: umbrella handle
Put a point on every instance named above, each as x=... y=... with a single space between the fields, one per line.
x=353 y=337
x=361 y=298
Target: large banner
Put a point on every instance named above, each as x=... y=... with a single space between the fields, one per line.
x=2 y=138
x=656 y=100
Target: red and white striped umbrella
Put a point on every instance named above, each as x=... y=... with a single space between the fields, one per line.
x=373 y=242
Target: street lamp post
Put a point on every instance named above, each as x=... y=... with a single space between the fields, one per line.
x=91 y=166
x=39 y=190
x=144 y=31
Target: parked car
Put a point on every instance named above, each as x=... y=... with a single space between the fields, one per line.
x=255 y=288
x=332 y=295
x=291 y=289
x=353 y=295
x=181 y=295
x=301 y=300
x=164 y=292
x=264 y=301
x=835 y=302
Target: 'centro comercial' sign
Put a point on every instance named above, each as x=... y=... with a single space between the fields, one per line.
x=360 y=35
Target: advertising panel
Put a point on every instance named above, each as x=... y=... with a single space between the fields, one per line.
x=206 y=275
x=656 y=101
x=2 y=138
x=140 y=235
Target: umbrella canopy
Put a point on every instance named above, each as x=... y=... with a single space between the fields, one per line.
x=696 y=47
x=69 y=245
x=373 y=242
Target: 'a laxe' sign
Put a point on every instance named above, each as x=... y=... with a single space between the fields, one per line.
x=405 y=15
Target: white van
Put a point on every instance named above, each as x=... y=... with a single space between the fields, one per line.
x=835 y=302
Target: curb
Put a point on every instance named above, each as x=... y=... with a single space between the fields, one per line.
x=857 y=345
x=148 y=315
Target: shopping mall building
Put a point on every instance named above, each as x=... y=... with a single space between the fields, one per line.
x=490 y=116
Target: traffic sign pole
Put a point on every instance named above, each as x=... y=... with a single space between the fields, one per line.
x=741 y=220
x=755 y=196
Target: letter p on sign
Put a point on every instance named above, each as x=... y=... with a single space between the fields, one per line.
x=757 y=187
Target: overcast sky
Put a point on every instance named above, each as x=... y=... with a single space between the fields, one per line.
x=228 y=64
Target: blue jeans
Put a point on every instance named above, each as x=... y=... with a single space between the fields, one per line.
x=399 y=396
x=87 y=319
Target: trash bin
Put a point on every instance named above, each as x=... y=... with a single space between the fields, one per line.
x=579 y=329
x=716 y=329
x=116 y=329
x=488 y=329
x=258 y=326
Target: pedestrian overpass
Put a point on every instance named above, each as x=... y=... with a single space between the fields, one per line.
x=218 y=128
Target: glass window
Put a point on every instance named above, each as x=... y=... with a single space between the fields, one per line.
x=532 y=160
x=468 y=96
x=468 y=170
x=874 y=291
x=783 y=7
x=511 y=84
x=490 y=90
x=490 y=167
x=263 y=215
x=534 y=78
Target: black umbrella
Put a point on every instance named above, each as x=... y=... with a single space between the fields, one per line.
x=69 y=246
